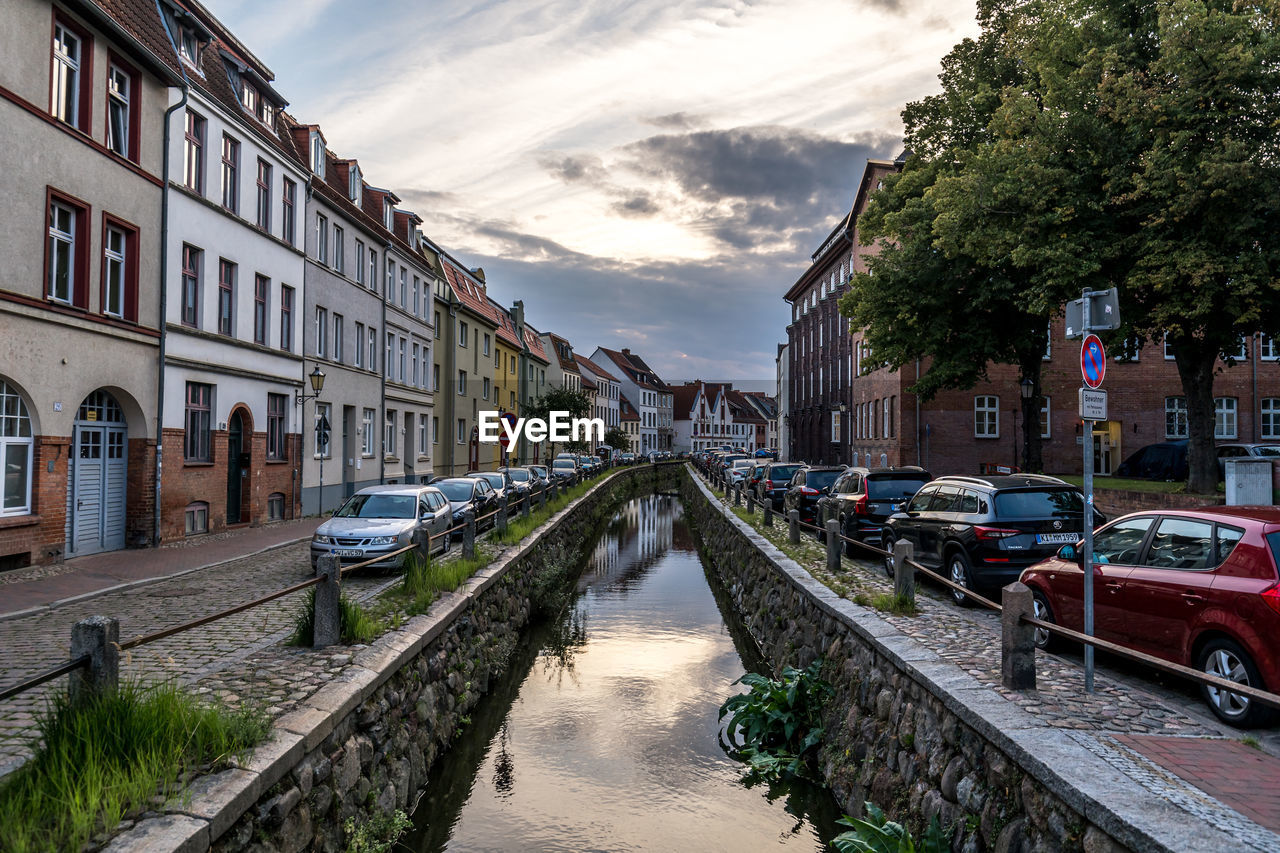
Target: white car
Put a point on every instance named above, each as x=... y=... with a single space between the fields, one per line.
x=379 y=520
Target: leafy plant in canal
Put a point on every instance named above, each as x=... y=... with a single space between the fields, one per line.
x=878 y=834
x=378 y=834
x=777 y=725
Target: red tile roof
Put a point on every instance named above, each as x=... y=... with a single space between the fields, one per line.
x=626 y=411
x=533 y=340
x=568 y=365
x=468 y=291
x=636 y=374
x=683 y=398
x=594 y=368
x=506 y=328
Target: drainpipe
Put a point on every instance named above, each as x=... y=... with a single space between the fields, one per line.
x=917 y=396
x=164 y=289
x=382 y=413
x=1255 y=344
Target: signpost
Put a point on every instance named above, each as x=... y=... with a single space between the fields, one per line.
x=1093 y=361
x=505 y=440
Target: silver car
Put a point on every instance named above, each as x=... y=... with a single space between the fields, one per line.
x=379 y=520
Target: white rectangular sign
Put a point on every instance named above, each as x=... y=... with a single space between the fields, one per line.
x=1093 y=405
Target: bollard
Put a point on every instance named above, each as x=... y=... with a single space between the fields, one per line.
x=1017 y=638
x=904 y=574
x=469 y=535
x=99 y=638
x=737 y=494
x=793 y=535
x=502 y=516
x=542 y=495
x=768 y=513
x=327 y=629
x=524 y=504
x=553 y=489
x=751 y=502
x=833 y=545
x=422 y=540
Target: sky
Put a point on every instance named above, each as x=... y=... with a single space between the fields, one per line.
x=645 y=173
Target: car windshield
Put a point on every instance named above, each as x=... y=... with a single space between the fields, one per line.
x=820 y=479
x=743 y=463
x=494 y=480
x=889 y=488
x=562 y=463
x=379 y=506
x=1269 y=450
x=456 y=491
x=1041 y=503
x=519 y=475
x=783 y=472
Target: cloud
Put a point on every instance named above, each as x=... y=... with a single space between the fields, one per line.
x=638 y=205
x=677 y=121
x=574 y=169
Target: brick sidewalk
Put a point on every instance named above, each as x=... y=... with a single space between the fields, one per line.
x=36 y=588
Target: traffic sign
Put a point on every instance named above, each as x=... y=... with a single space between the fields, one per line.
x=322 y=434
x=503 y=438
x=1093 y=405
x=1104 y=313
x=1093 y=361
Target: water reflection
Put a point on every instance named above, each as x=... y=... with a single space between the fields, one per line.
x=603 y=734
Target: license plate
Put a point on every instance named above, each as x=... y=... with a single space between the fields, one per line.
x=348 y=552
x=896 y=507
x=1057 y=538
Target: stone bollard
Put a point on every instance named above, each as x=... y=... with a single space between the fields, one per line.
x=99 y=638
x=751 y=502
x=554 y=485
x=469 y=535
x=501 y=520
x=422 y=540
x=542 y=495
x=833 y=545
x=904 y=574
x=1017 y=638
x=737 y=494
x=793 y=535
x=524 y=504
x=327 y=630
x=768 y=513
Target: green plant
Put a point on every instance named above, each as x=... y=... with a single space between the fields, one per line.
x=776 y=726
x=378 y=834
x=878 y=834
x=1251 y=742
x=355 y=625
x=898 y=605
x=104 y=758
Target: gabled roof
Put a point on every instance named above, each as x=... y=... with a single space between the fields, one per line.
x=589 y=383
x=599 y=371
x=683 y=399
x=744 y=411
x=639 y=375
x=626 y=411
x=468 y=291
x=533 y=342
x=567 y=364
x=138 y=20
x=506 y=328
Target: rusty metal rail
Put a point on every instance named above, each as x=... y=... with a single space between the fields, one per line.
x=48 y=675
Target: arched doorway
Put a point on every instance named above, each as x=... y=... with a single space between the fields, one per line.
x=99 y=476
x=239 y=461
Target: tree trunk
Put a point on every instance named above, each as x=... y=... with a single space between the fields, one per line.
x=1032 y=443
x=1195 y=368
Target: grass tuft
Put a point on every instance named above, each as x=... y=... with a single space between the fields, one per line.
x=898 y=605
x=355 y=624
x=105 y=758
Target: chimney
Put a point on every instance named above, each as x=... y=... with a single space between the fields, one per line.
x=517 y=314
x=478 y=272
x=626 y=352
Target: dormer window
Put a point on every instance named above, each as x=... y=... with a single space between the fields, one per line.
x=317 y=155
x=266 y=112
x=249 y=98
x=413 y=234
x=356 y=185
x=387 y=213
x=189 y=45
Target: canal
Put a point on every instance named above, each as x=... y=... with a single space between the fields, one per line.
x=603 y=735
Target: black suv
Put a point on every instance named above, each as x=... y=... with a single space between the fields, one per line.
x=863 y=498
x=807 y=485
x=774 y=482
x=981 y=532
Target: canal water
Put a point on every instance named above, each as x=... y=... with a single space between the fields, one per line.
x=602 y=734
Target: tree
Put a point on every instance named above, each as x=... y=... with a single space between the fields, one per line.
x=618 y=440
x=576 y=403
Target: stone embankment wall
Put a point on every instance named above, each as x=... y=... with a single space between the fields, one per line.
x=919 y=736
x=362 y=744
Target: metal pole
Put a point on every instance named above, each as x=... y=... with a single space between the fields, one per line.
x=1086 y=563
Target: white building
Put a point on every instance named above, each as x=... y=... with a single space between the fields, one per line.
x=608 y=392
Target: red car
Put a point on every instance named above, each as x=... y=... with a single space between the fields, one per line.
x=1196 y=587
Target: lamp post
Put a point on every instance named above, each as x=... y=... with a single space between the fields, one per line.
x=1027 y=389
x=316 y=377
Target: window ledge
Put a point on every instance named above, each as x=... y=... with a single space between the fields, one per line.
x=277 y=462
x=7 y=522
x=189 y=463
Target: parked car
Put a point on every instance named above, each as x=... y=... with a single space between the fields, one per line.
x=752 y=479
x=541 y=473
x=522 y=480
x=1262 y=450
x=628 y=458
x=775 y=481
x=499 y=480
x=862 y=499
x=738 y=470
x=1164 y=461
x=380 y=519
x=1196 y=587
x=470 y=493
x=808 y=484
x=565 y=471
x=981 y=532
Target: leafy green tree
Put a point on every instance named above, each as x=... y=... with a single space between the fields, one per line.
x=617 y=439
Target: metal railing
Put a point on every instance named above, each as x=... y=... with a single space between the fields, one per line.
x=1263 y=697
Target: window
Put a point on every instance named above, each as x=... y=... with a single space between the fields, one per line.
x=401 y=375
x=249 y=98
x=435 y=377
x=887 y=426
x=359 y=262
x=373 y=349
x=1048 y=344
x=1175 y=417
x=72 y=64
x=355 y=187
x=462 y=431
x=1240 y=352
x=413 y=361
x=275 y=506
x=1045 y=420
x=16 y=451
x=260 y=286
x=1271 y=417
x=119 y=272
x=189 y=45
x=1270 y=352
x=226 y=295
x=437 y=326
x=373 y=270
x=389 y=434
x=286 y=318
x=191 y=261
x=264 y=195
x=339 y=254
x=1168 y=350
x=367 y=432
x=317 y=154
x=418 y=310
x=1224 y=417
x=389 y=288
x=287 y=198
x=485 y=388
x=230 y=174
x=122 y=117
x=404 y=288
x=387 y=213
x=322 y=333
x=337 y=338
x=1181 y=543
x=389 y=363
x=462 y=383
x=424 y=447
x=323 y=424
x=277 y=426
x=486 y=344
x=322 y=238
x=359 y=344
x=986 y=416
x=196 y=518
x=66 y=247
x=198 y=423
x=435 y=430
x=462 y=334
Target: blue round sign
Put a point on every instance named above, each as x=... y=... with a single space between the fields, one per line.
x=1093 y=361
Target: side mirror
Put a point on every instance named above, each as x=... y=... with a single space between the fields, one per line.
x=1070 y=554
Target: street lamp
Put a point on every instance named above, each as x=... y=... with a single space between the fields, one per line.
x=1027 y=389
x=317 y=385
x=316 y=378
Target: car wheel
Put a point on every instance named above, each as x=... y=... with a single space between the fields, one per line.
x=1226 y=659
x=1045 y=641
x=886 y=542
x=960 y=573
